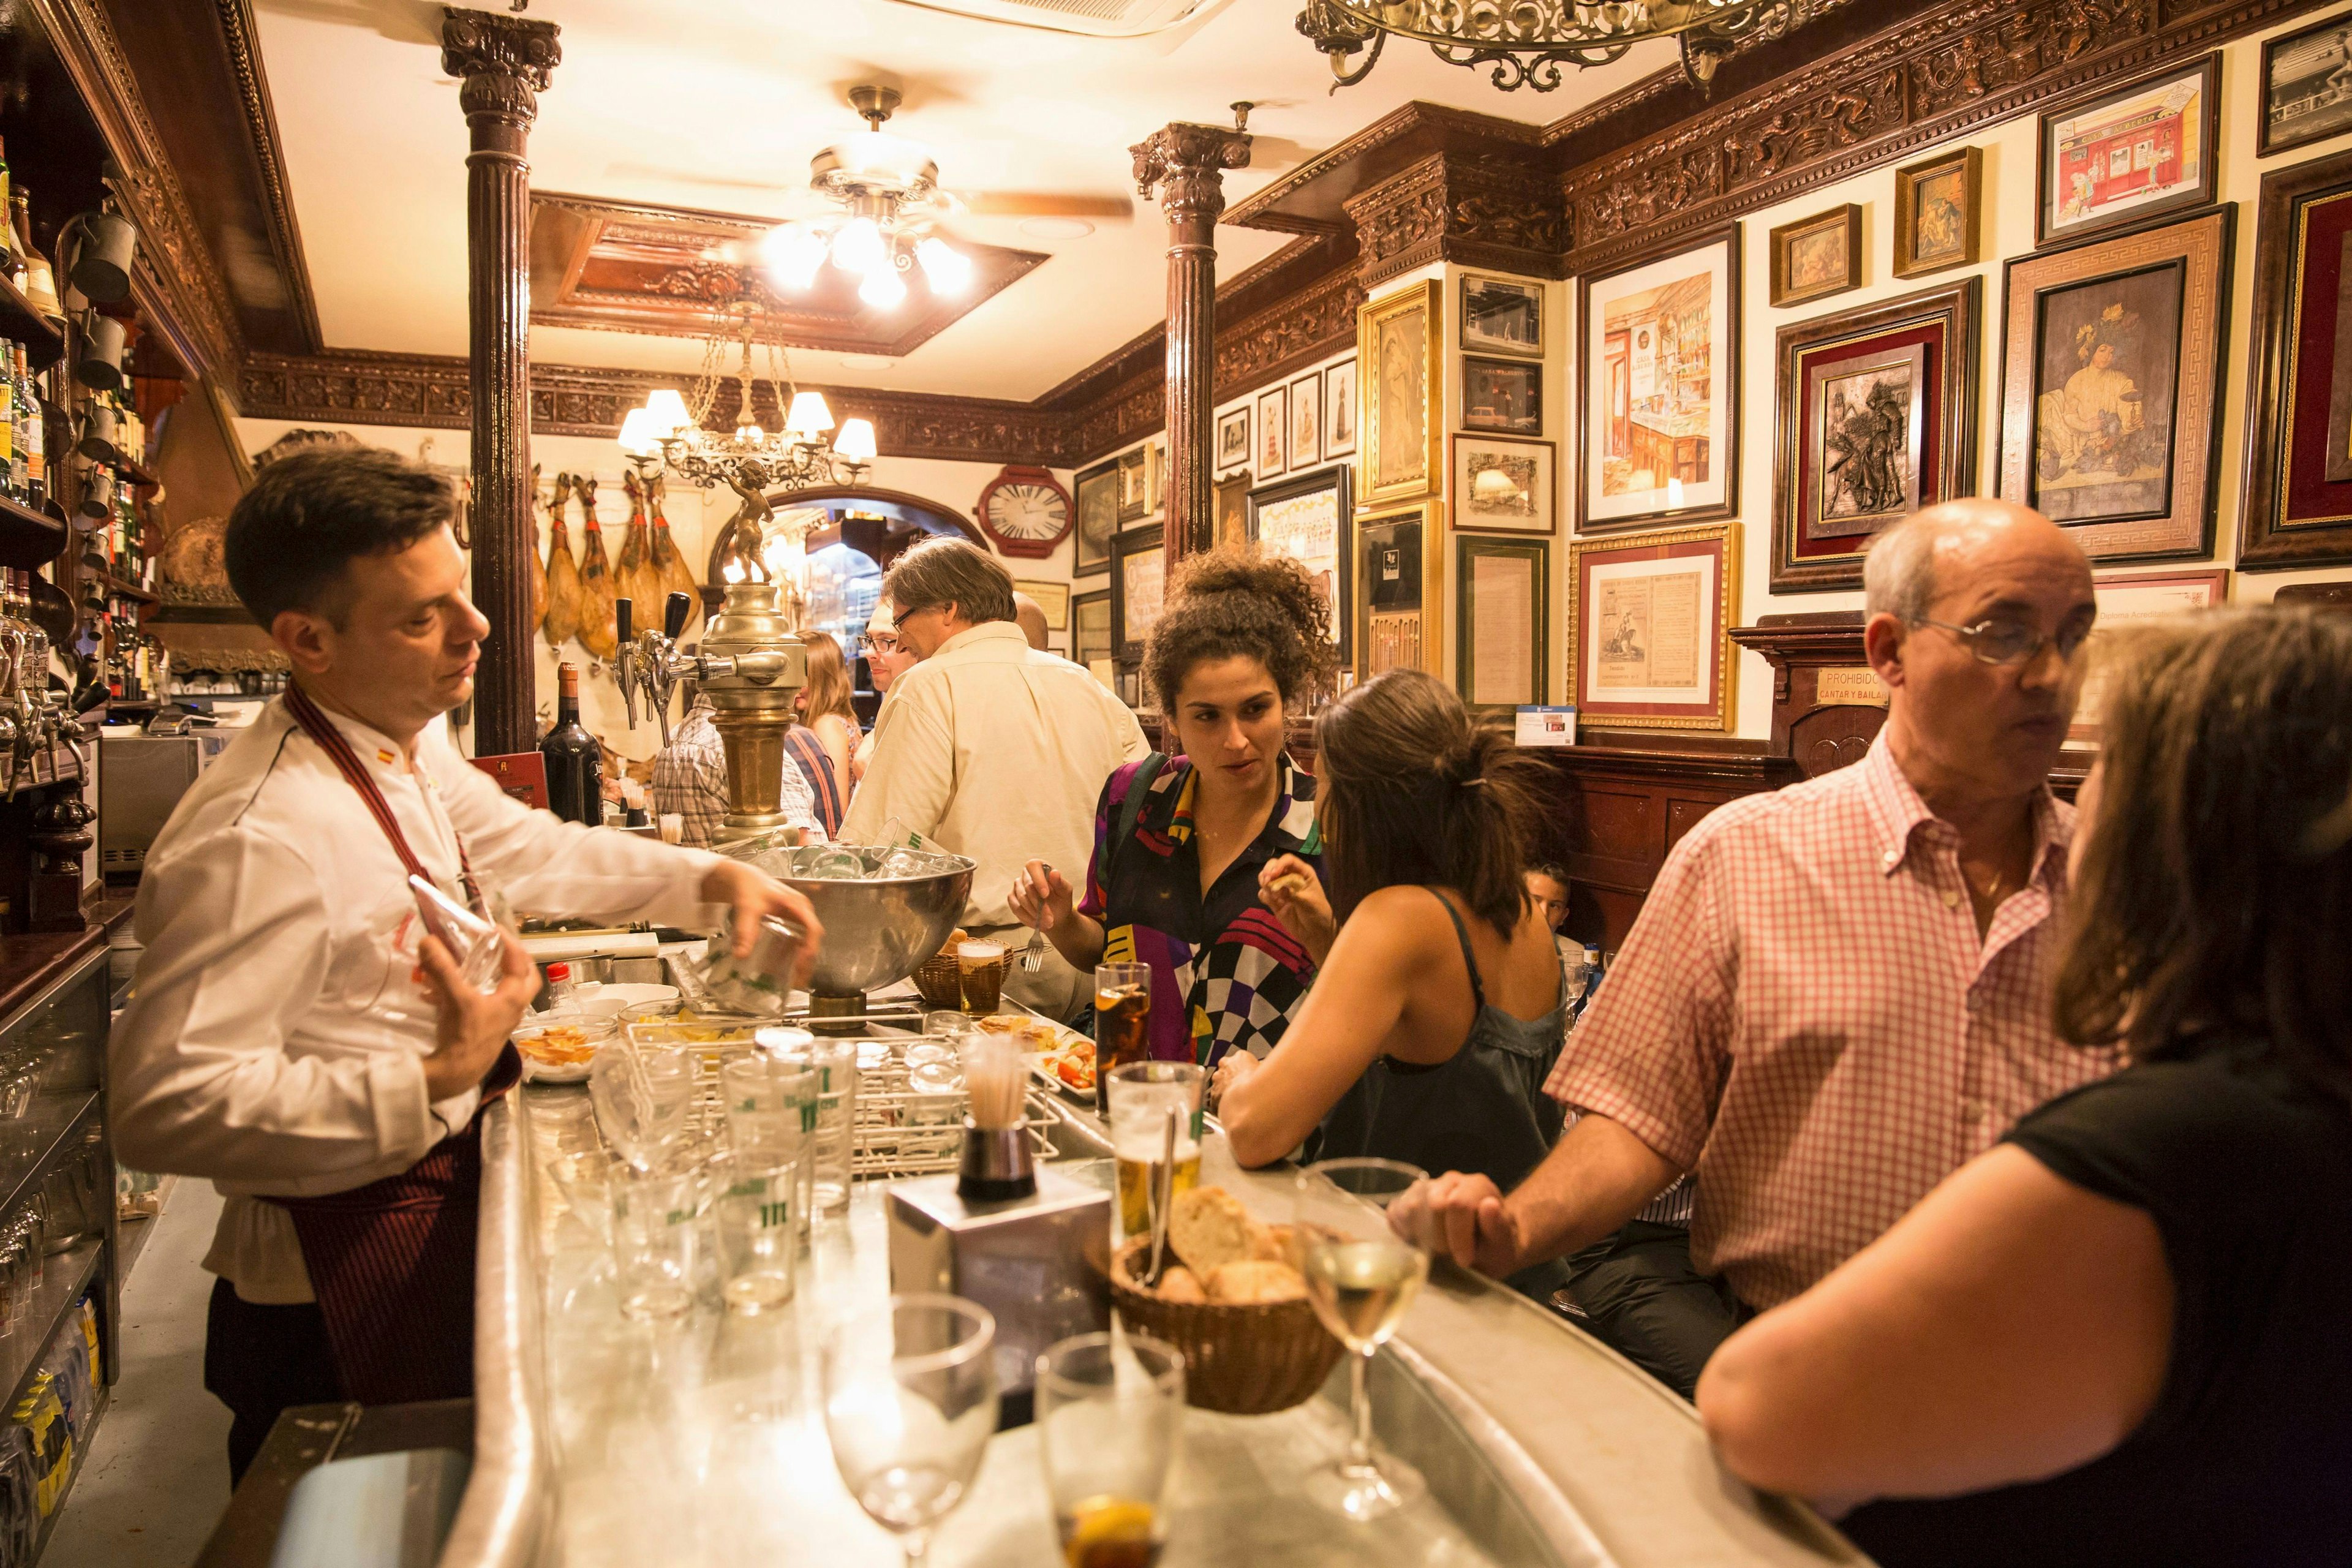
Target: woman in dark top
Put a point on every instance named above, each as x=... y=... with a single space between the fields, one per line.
x=1438 y=1015
x=1181 y=842
x=2120 y=1337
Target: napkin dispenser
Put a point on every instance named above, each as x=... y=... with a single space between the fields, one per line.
x=1041 y=1264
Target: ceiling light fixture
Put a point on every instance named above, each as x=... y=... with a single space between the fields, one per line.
x=886 y=191
x=1528 y=41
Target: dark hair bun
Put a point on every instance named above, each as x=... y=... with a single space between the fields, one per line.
x=1238 y=601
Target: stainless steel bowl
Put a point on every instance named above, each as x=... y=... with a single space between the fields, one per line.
x=877 y=928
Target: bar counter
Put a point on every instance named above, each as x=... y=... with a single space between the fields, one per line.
x=600 y=1441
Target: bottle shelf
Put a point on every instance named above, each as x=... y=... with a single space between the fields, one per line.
x=119 y=587
x=28 y=537
x=43 y=343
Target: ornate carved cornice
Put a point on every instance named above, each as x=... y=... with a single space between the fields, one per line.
x=1961 y=65
x=261 y=123
x=1479 y=209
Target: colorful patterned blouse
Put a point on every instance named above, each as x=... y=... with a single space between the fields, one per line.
x=1225 y=973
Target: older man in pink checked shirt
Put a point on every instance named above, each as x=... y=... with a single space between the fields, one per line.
x=1839 y=992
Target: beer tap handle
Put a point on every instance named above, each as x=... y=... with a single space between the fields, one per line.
x=674 y=617
x=624 y=612
x=623 y=658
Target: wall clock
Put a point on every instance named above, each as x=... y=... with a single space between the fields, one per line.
x=1023 y=512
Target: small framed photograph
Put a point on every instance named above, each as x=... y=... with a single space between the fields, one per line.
x=1134 y=484
x=1502 y=316
x=2127 y=601
x=1936 y=204
x=1306 y=420
x=1339 y=410
x=1648 y=620
x=1090 y=637
x=1097 y=522
x=1502 y=395
x=1232 y=439
x=1053 y=599
x=1502 y=611
x=1504 y=484
x=1818 y=256
x=2123 y=153
x=1139 y=583
x=1273 y=432
x=1306 y=517
x=1233 y=510
x=2306 y=91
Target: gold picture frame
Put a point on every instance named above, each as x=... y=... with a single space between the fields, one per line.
x=1375 y=618
x=1401 y=448
x=1938 y=212
x=1816 y=257
x=1591 y=565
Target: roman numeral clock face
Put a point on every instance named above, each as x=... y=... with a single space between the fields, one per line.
x=1025 y=513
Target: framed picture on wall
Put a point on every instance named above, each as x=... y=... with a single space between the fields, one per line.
x=1502 y=395
x=1155 y=476
x=2124 y=154
x=1232 y=439
x=1233 y=510
x=1503 y=484
x=2111 y=386
x=1134 y=484
x=1875 y=412
x=1097 y=522
x=1139 y=583
x=2129 y=601
x=1502 y=618
x=1657 y=427
x=1502 y=316
x=1340 y=409
x=1053 y=599
x=1306 y=420
x=2299 y=457
x=1306 y=517
x=1401 y=339
x=1938 y=203
x=1400 y=573
x=1273 y=432
x=2306 y=92
x=1647 y=623
x=1817 y=257
x=1090 y=637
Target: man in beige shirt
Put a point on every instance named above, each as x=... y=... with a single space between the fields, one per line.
x=989 y=747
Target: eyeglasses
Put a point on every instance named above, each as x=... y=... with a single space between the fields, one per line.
x=881 y=642
x=2007 y=642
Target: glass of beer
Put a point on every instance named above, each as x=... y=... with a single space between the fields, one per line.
x=1122 y=1023
x=1141 y=1095
x=1109 y=1416
x=1361 y=1275
x=980 y=965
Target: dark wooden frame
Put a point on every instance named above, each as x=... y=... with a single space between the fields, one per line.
x=1459 y=518
x=2264 y=145
x=1534 y=290
x=1849 y=218
x=1958 y=310
x=1339 y=477
x=1726 y=236
x=1080 y=601
x=1146 y=540
x=1531 y=371
x=2190 y=520
x=1226 y=422
x=1101 y=473
x=1135 y=468
x=1468 y=547
x=2265 y=542
x=2208 y=67
x=1231 y=492
x=1908 y=179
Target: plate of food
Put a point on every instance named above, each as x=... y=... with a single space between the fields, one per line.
x=1058 y=1054
x=557 y=1048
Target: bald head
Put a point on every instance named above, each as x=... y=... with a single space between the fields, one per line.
x=1913 y=562
x=1031 y=617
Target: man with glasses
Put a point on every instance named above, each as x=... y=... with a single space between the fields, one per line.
x=1838 y=993
x=885 y=662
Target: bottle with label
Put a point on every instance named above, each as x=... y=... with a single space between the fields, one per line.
x=35 y=441
x=576 y=763
x=7 y=241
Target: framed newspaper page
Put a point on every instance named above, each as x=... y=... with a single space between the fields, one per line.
x=1648 y=624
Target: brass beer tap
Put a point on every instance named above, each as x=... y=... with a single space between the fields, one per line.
x=752 y=665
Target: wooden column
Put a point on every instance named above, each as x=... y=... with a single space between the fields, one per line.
x=1187 y=161
x=504 y=61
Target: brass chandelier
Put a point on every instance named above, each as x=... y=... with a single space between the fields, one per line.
x=1527 y=41
x=807 y=452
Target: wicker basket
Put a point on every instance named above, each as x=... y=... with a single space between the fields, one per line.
x=1240 y=1360
x=938 y=980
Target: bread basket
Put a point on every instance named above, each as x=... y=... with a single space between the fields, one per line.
x=1240 y=1359
x=938 y=980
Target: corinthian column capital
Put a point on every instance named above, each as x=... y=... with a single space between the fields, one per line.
x=505 y=61
x=1187 y=163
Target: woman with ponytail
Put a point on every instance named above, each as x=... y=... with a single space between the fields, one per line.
x=1438 y=1013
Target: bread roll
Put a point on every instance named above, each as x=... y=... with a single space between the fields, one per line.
x=1256 y=1281
x=1273 y=1246
x=1180 y=1284
x=1208 y=1227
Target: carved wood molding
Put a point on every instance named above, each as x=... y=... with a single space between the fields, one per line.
x=237 y=29
x=1959 y=66
x=1478 y=209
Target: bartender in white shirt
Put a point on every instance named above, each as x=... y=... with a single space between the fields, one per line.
x=293 y=1035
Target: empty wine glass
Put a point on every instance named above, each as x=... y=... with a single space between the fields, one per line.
x=910 y=1411
x=1361 y=1276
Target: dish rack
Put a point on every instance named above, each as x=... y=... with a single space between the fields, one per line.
x=899 y=1131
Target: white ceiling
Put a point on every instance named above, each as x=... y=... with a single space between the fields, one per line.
x=721 y=103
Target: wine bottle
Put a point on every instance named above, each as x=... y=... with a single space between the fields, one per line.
x=575 y=763
x=35 y=442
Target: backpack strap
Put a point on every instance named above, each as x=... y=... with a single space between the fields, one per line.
x=1130 y=812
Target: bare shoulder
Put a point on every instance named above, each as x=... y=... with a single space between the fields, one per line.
x=1400 y=922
